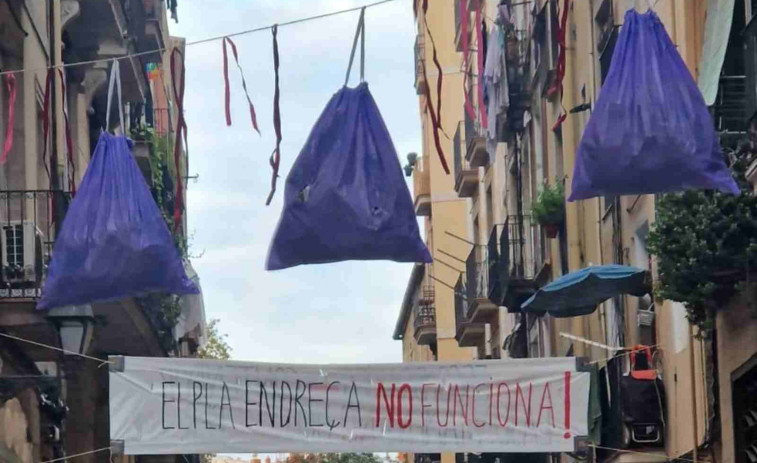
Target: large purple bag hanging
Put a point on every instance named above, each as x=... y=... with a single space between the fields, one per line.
x=650 y=131
x=345 y=197
x=113 y=242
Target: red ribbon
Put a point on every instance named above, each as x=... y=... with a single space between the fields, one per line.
x=69 y=144
x=253 y=117
x=46 y=118
x=436 y=117
x=560 y=74
x=276 y=155
x=181 y=127
x=480 y=48
x=11 y=82
x=466 y=50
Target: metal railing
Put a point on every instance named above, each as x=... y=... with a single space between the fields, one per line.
x=458 y=142
x=424 y=314
x=730 y=104
x=520 y=234
x=422 y=177
x=472 y=126
x=477 y=274
x=27 y=218
x=420 y=55
x=461 y=306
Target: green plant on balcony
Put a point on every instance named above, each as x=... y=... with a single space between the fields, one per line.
x=549 y=208
x=706 y=245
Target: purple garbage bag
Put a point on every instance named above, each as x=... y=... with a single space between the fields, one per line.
x=113 y=242
x=650 y=131
x=345 y=197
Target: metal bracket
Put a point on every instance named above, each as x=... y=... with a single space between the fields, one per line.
x=117 y=447
x=581 y=444
x=582 y=364
x=117 y=363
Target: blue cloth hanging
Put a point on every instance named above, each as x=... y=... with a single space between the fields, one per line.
x=345 y=197
x=113 y=242
x=650 y=131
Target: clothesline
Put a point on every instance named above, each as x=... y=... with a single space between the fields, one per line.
x=201 y=41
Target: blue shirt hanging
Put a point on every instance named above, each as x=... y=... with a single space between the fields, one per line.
x=345 y=197
x=113 y=242
x=650 y=131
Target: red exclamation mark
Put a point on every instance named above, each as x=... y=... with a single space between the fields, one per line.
x=567 y=405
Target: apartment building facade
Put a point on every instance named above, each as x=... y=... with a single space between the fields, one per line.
x=54 y=405
x=531 y=141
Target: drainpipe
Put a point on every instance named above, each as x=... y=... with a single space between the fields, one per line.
x=570 y=143
x=59 y=207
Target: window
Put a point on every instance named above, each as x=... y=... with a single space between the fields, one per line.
x=607 y=36
x=14 y=244
x=745 y=412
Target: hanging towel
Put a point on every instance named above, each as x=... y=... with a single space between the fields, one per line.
x=651 y=131
x=345 y=197
x=113 y=242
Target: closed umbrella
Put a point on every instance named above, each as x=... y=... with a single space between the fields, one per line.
x=579 y=293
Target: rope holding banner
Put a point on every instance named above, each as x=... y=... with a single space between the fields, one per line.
x=253 y=116
x=10 y=80
x=115 y=79
x=276 y=155
x=181 y=126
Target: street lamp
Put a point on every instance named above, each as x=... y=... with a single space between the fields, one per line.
x=75 y=324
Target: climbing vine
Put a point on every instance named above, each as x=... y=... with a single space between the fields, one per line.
x=706 y=243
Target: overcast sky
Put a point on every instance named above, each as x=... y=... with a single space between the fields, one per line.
x=336 y=313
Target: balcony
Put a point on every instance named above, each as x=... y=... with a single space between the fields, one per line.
x=422 y=187
x=522 y=257
x=475 y=140
x=420 y=56
x=467 y=333
x=480 y=308
x=27 y=235
x=458 y=26
x=424 y=316
x=729 y=110
x=466 y=178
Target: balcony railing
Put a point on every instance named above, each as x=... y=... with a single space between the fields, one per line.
x=420 y=55
x=28 y=225
x=475 y=140
x=466 y=178
x=461 y=317
x=422 y=186
x=730 y=105
x=477 y=277
x=522 y=253
x=458 y=24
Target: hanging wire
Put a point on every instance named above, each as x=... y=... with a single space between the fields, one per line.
x=46 y=346
x=78 y=455
x=201 y=41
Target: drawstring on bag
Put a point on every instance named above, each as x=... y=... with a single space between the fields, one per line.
x=115 y=80
x=359 y=32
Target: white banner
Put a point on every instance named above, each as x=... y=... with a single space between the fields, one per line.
x=173 y=406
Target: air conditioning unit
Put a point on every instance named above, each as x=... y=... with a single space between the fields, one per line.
x=22 y=251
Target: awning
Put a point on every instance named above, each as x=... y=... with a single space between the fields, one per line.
x=579 y=293
x=717 y=29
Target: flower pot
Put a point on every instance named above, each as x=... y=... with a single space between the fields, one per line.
x=551 y=230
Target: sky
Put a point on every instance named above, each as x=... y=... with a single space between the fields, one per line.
x=334 y=313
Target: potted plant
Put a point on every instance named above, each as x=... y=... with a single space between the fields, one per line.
x=549 y=208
